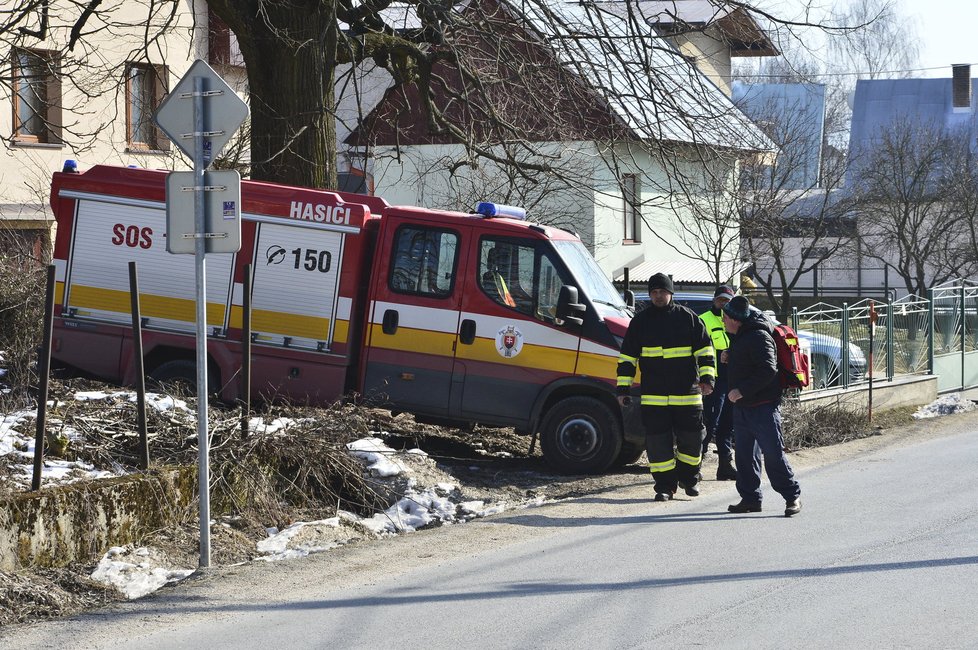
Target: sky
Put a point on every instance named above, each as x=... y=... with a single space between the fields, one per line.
x=137 y=570
x=946 y=29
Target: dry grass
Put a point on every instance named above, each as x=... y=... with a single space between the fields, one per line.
x=21 y=317
x=49 y=593
x=830 y=425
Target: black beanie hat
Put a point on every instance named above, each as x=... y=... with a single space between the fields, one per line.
x=661 y=281
x=738 y=308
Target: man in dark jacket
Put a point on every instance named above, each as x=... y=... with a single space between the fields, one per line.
x=670 y=345
x=755 y=390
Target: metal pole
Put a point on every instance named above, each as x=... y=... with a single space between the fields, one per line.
x=246 y=351
x=200 y=227
x=964 y=334
x=137 y=353
x=43 y=372
x=844 y=369
x=930 y=326
x=890 y=352
x=872 y=332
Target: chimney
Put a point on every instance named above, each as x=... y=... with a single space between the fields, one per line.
x=961 y=86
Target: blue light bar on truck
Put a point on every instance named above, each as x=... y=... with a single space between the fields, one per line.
x=490 y=210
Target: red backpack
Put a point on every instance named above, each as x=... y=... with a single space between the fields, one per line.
x=793 y=370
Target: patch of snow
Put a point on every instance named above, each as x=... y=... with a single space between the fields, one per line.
x=945 y=405
x=259 y=426
x=378 y=457
x=11 y=440
x=414 y=511
x=135 y=571
x=277 y=546
x=20 y=444
x=161 y=403
x=164 y=403
x=88 y=395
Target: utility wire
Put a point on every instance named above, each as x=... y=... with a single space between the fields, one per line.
x=848 y=74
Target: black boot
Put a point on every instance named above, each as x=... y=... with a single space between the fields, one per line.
x=726 y=470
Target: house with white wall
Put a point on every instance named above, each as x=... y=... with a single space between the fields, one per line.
x=93 y=101
x=631 y=137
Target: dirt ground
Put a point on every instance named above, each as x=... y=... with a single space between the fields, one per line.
x=494 y=466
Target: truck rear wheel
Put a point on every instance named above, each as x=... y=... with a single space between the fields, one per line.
x=181 y=373
x=580 y=435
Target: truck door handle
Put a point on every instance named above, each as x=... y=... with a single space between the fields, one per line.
x=390 y=321
x=466 y=333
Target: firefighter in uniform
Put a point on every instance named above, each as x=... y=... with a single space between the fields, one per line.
x=717 y=411
x=671 y=347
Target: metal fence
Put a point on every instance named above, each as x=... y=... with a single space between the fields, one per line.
x=886 y=340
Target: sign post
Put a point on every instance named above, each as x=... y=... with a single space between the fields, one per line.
x=201 y=128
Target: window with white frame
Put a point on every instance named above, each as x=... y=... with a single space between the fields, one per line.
x=632 y=208
x=36 y=97
x=145 y=88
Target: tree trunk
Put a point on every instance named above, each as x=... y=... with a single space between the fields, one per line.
x=290 y=54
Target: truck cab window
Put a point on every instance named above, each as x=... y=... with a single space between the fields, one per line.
x=548 y=289
x=425 y=260
x=519 y=276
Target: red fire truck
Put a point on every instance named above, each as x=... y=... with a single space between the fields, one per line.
x=456 y=318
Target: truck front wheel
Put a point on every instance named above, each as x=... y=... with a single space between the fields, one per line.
x=580 y=435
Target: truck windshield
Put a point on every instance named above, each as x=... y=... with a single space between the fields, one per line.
x=591 y=281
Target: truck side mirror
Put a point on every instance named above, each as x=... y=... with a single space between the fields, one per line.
x=630 y=298
x=568 y=307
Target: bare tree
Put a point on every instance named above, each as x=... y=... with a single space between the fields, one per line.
x=915 y=208
x=602 y=60
x=884 y=46
x=876 y=39
x=794 y=213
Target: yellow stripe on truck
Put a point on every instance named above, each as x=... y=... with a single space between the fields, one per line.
x=539 y=357
x=150 y=306
x=315 y=328
x=297 y=325
x=482 y=349
x=598 y=365
x=407 y=339
x=341 y=332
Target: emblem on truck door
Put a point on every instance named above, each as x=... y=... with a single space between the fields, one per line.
x=274 y=255
x=509 y=341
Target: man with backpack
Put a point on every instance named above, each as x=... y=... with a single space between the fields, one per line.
x=755 y=390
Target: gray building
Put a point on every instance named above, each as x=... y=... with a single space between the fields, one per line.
x=793 y=116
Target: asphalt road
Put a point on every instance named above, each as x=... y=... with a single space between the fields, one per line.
x=883 y=555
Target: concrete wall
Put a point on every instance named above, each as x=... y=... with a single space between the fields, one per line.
x=81 y=521
x=916 y=390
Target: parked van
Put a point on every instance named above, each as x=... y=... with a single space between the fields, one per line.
x=457 y=318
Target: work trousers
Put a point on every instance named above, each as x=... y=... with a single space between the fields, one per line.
x=758 y=433
x=673 y=442
x=718 y=416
